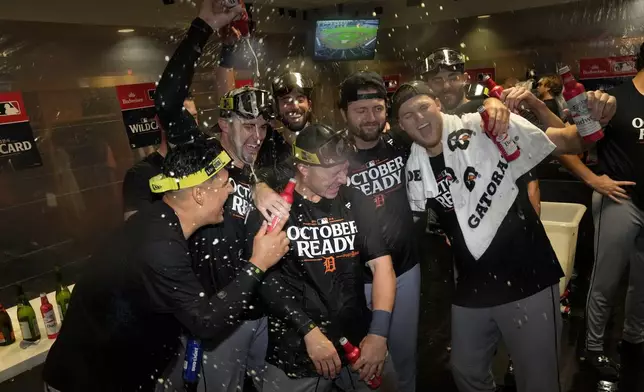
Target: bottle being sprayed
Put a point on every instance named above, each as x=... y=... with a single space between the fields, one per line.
x=353 y=354
x=575 y=95
x=495 y=90
x=242 y=25
x=287 y=196
x=508 y=148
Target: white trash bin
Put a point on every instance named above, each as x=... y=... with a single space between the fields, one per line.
x=561 y=221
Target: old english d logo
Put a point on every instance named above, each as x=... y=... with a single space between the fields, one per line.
x=459 y=139
x=469 y=178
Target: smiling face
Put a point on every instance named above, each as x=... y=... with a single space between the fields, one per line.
x=244 y=136
x=294 y=109
x=420 y=117
x=324 y=181
x=366 y=118
x=449 y=86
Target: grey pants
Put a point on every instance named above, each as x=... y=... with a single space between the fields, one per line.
x=531 y=330
x=619 y=241
x=403 y=330
x=225 y=367
x=277 y=381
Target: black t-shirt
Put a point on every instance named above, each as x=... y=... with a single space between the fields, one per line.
x=518 y=263
x=552 y=105
x=126 y=315
x=621 y=151
x=380 y=199
x=136 y=184
x=218 y=250
x=322 y=277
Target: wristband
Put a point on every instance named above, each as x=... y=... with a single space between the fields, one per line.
x=380 y=323
x=226 y=56
x=255 y=272
x=306 y=328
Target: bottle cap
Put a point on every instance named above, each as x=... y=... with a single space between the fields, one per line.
x=564 y=69
x=43 y=295
x=343 y=341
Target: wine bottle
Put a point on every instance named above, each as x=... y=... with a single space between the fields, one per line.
x=27 y=318
x=62 y=295
x=7 y=335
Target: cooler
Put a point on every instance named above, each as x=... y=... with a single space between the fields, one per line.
x=561 y=221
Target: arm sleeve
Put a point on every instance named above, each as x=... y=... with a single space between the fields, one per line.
x=277 y=298
x=175 y=83
x=136 y=191
x=174 y=288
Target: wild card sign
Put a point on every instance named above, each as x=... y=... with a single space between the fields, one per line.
x=139 y=115
x=18 y=148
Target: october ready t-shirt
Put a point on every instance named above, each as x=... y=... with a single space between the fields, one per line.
x=621 y=151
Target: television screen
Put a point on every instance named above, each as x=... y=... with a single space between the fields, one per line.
x=353 y=39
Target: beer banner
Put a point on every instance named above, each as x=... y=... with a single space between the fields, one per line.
x=607 y=67
x=476 y=74
x=18 y=148
x=392 y=82
x=139 y=115
x=243 y=82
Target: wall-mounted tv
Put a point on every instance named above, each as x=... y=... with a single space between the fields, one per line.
x=349 y=39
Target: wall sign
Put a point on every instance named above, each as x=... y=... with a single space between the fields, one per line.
x=243 y=82
x=18 y=149
x=476 y=74
x=139 y=115
x=607 y=67
x=392 y=82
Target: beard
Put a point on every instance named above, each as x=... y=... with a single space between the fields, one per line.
x=299 y=125
x=452 y=98
x=367 y=135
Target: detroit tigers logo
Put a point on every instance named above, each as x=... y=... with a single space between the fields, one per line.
x=459 y=139
x=469 y=178
x=449 y=175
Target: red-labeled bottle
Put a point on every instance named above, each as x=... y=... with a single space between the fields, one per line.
x=287 y=196
x=241 y=23
x=49 y=317
x=575 y=95
x=494 y=90
x=504 y=143
x=353 y=354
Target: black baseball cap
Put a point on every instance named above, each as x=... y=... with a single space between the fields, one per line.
x=408 y=90
x=359 y=81
x=321 y=145
x=291 y=81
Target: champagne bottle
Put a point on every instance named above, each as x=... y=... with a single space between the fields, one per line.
x=6 y=328
x=27 y=318
x=48 y=316
x=62 y=295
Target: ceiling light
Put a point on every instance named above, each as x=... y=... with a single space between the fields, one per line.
x=484 y=16
x=126 y=31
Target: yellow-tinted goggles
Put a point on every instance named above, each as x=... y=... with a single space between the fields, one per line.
x=161 y=183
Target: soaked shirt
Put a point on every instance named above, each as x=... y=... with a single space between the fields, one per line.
x=518 y=263
x=320 y=280
x=377 y=176
x=126 y=315
x=218 y=250
x=621 y=151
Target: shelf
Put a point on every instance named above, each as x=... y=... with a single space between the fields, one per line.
x=21 y=356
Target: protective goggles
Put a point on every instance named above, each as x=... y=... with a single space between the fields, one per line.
x=333 y=152
x=249 y=104
x=161 y=183
x=444 y=58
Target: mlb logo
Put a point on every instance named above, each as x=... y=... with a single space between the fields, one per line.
x=371 y=163
x=323 y=221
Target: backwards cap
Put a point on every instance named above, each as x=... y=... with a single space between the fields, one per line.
x=407 y=91
x=361 y=80
x=291 y=81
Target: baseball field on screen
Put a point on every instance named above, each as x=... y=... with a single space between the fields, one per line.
x=348 y=37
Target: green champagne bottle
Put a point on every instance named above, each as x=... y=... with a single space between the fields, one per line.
x=27 y=318
x=6 y=328
x=62 y=295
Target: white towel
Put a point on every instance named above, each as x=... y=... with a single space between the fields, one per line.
x=484 y=187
